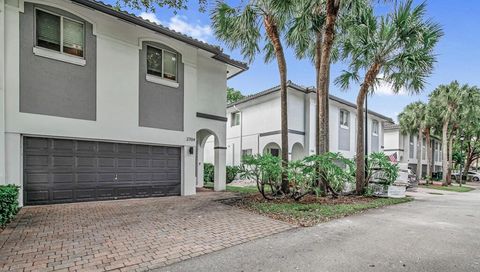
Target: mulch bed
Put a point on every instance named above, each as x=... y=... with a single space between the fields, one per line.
x=310 y=218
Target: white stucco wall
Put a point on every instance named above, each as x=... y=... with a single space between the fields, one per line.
x=261 y=116
x=118 y=45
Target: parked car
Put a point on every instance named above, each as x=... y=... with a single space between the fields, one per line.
x=471 y=175
x=474 y=176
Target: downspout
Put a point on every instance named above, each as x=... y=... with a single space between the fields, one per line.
x=241 y=133
x=2 y=92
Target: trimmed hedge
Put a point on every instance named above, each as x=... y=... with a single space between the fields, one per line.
x=8 y=203
x=209 y=172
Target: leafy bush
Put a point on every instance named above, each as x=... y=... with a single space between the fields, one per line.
x=232 y=172
x=8 y=203
x=303 y=175
x=266 y=170
x=380 y=169
x=335 y=169
x=208 y=172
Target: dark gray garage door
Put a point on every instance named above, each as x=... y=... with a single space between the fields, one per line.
x=59 y=171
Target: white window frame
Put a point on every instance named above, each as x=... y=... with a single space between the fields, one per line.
x=375 y=122
x=161 y=79
x=347 y=113
x=59 y=55
x=233 y=116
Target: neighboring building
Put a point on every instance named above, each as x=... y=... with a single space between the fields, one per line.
x=253 y=125
x=405 y=146
x=96 y=103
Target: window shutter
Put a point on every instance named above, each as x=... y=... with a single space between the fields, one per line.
x=72 y=34
x=48 y=28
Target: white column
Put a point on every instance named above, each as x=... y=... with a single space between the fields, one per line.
x=188 y=167
x=2 y=92
x=200 y=165
x=220 y=183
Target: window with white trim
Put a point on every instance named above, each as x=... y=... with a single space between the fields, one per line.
x=235 y=119
x=59 y=33
x=344 y=118
x=161 y=63
x=375 y=127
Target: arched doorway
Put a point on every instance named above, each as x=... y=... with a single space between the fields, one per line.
x=297 y=152
x=273 y=149
x=209 y=148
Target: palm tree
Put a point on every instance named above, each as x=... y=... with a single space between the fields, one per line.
x=399 y=46
x=242 y=28
x=430 y=123
x=445 y=99
x=318 y=21
x=412 y=121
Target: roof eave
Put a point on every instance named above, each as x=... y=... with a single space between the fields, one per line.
x=218 y=54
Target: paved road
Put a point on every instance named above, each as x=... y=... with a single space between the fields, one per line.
x=433 y=233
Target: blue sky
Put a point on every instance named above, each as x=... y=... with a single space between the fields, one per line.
x=458 y=53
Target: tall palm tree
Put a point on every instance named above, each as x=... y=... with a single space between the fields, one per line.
x=320 y=21
x=242 y=28
x=412 y=121
x=445 y=99
x=398 y=46
x=430 y=123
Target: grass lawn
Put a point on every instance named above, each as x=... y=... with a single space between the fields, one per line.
x=314 y=210
x=458 y=189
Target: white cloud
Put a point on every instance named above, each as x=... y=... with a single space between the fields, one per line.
x=180 y=24
x=151 y=17
x=386 y=89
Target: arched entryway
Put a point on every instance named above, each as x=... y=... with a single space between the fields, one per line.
x=297 y=152
x=272 y=148
x=218 y=161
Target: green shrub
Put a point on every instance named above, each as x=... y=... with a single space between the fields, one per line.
x=8 y=203
x=232 y=172
x=209 y=172
x=381 y=169
x=266 y=170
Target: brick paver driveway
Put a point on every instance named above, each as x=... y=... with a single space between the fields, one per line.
x=126 y=235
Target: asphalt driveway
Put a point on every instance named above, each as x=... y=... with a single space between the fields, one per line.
x=434 y=233
x=126 y=235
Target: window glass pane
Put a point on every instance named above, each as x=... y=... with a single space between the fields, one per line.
x=48 y=30
x=154 y=61
x=170 y=65
x=72 y=37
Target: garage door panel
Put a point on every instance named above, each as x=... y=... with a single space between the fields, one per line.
x=62 y=195
x=38 y=196
x=35 y=144
x=63 y=161
x=36 y=161
x=57 y=171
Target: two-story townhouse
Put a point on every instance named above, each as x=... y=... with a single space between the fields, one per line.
x=405 y=147
x=253 y=125
x=97 y=103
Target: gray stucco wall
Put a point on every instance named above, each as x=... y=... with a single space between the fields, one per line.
x=160 y=106
x=344 y=136
x=53 y=87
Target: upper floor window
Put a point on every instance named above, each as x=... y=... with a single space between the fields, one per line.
x=344 y=118
x=161 y=63
x=59 y=33
x=235 y=120
x=411 y=147
x=375 y=127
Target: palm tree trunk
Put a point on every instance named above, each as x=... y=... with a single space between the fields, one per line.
x=429 y=153
x=360 y=156
x=419 y=154
x=445 y=153
x=450 y=160
x=318 y=61
x=273 y=35
x=322 y=87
